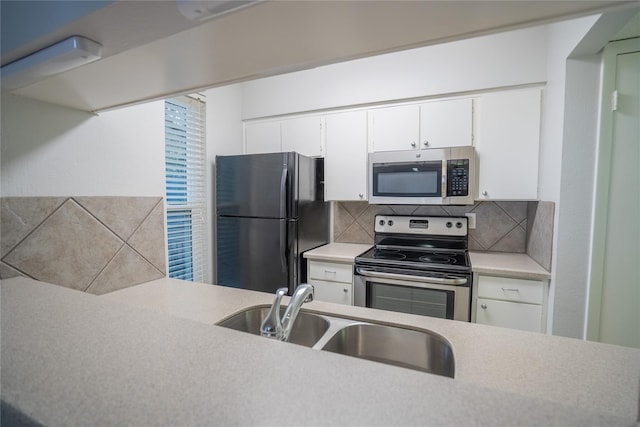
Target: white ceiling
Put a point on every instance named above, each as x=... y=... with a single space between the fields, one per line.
x=152 y=51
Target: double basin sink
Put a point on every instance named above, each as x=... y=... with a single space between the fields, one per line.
x=396 y=345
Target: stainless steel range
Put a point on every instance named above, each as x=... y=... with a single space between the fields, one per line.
x=419 y=265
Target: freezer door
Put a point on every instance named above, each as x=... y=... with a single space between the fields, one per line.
x=256 y=185
x=256 y=253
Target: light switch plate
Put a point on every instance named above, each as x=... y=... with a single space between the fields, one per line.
x=472 y=219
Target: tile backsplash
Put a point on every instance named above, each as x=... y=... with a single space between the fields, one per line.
x=522 y=227
x=91 y=244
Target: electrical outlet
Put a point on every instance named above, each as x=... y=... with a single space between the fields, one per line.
x=472 y=219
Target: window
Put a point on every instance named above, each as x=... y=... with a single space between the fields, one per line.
x=185 y=186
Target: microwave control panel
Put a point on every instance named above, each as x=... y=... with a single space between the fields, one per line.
x=458 y=177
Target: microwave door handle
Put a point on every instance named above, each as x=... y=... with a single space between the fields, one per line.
x=439 y=280
x=444 y=178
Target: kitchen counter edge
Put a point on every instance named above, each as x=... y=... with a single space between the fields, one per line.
x=507 y=264
x=337 y=252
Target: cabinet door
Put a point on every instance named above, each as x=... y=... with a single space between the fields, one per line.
x=339 y=293
x=510 y=289
x=331 y=271
x=395 y=128
x=507 y=145
x=262 y=137
x=446 y=123
x=526 y=317
x=302 y=135
x=345 y=166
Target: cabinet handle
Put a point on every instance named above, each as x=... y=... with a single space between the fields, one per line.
x=510 y=289
x=426 y=143
x=361 y=195
x=345 y=290
x=483 y=306
x=330 y=272
x=413 y=144
x=484 y=193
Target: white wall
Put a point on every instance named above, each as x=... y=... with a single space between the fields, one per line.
x=49 y=150
x=505 y=59
x=224 y=136
x=562 y=38
x=574 y=213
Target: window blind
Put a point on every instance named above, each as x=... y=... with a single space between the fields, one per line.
x=185 y=187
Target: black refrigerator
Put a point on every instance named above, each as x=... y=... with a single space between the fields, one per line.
x=270 y=208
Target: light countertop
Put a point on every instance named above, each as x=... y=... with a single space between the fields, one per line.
x=509 y=264
x=516 y=265
x=338 y=252
x=148 y=355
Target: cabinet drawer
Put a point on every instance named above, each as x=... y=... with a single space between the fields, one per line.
x=331 y=271
x=508 y=289
x=526 y=317
x=339 y=293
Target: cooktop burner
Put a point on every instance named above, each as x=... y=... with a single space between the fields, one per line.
x=388 y=254
x=439 y=259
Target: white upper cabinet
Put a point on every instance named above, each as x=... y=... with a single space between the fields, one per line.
x=262 y=137
x=446 y=123
x=395 y=128
x=300 y=134
x=503 y=126
x=303 y=135
x=436 y=124
x=345 y=165
x=507 y=144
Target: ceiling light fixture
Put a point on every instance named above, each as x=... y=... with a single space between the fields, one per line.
x=55 y=59
x=200 y=10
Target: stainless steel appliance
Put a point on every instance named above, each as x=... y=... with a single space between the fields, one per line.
x=269 y=209
x=437 y=176
x=419 y=265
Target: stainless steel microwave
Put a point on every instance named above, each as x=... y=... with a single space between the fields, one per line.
x=436 y=176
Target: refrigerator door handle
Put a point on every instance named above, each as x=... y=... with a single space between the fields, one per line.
x=283 y=188
x=283 y=245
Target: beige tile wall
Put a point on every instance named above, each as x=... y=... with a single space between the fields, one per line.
x=540 y=233
x=522 y=227
x=91 y=244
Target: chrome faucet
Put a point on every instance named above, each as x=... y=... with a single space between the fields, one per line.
x=272 y=325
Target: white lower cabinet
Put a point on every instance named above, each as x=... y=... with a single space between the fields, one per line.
x=340 y=293
x=510 y=302
x=527 y=317
x=332 y=281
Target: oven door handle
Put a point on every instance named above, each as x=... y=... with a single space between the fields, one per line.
x=439 y=280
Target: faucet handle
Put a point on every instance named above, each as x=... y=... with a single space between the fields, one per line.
x=309 y=297
x=272 y=325
x=312 y=290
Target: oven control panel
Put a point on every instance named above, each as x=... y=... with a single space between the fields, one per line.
x=432 y=225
